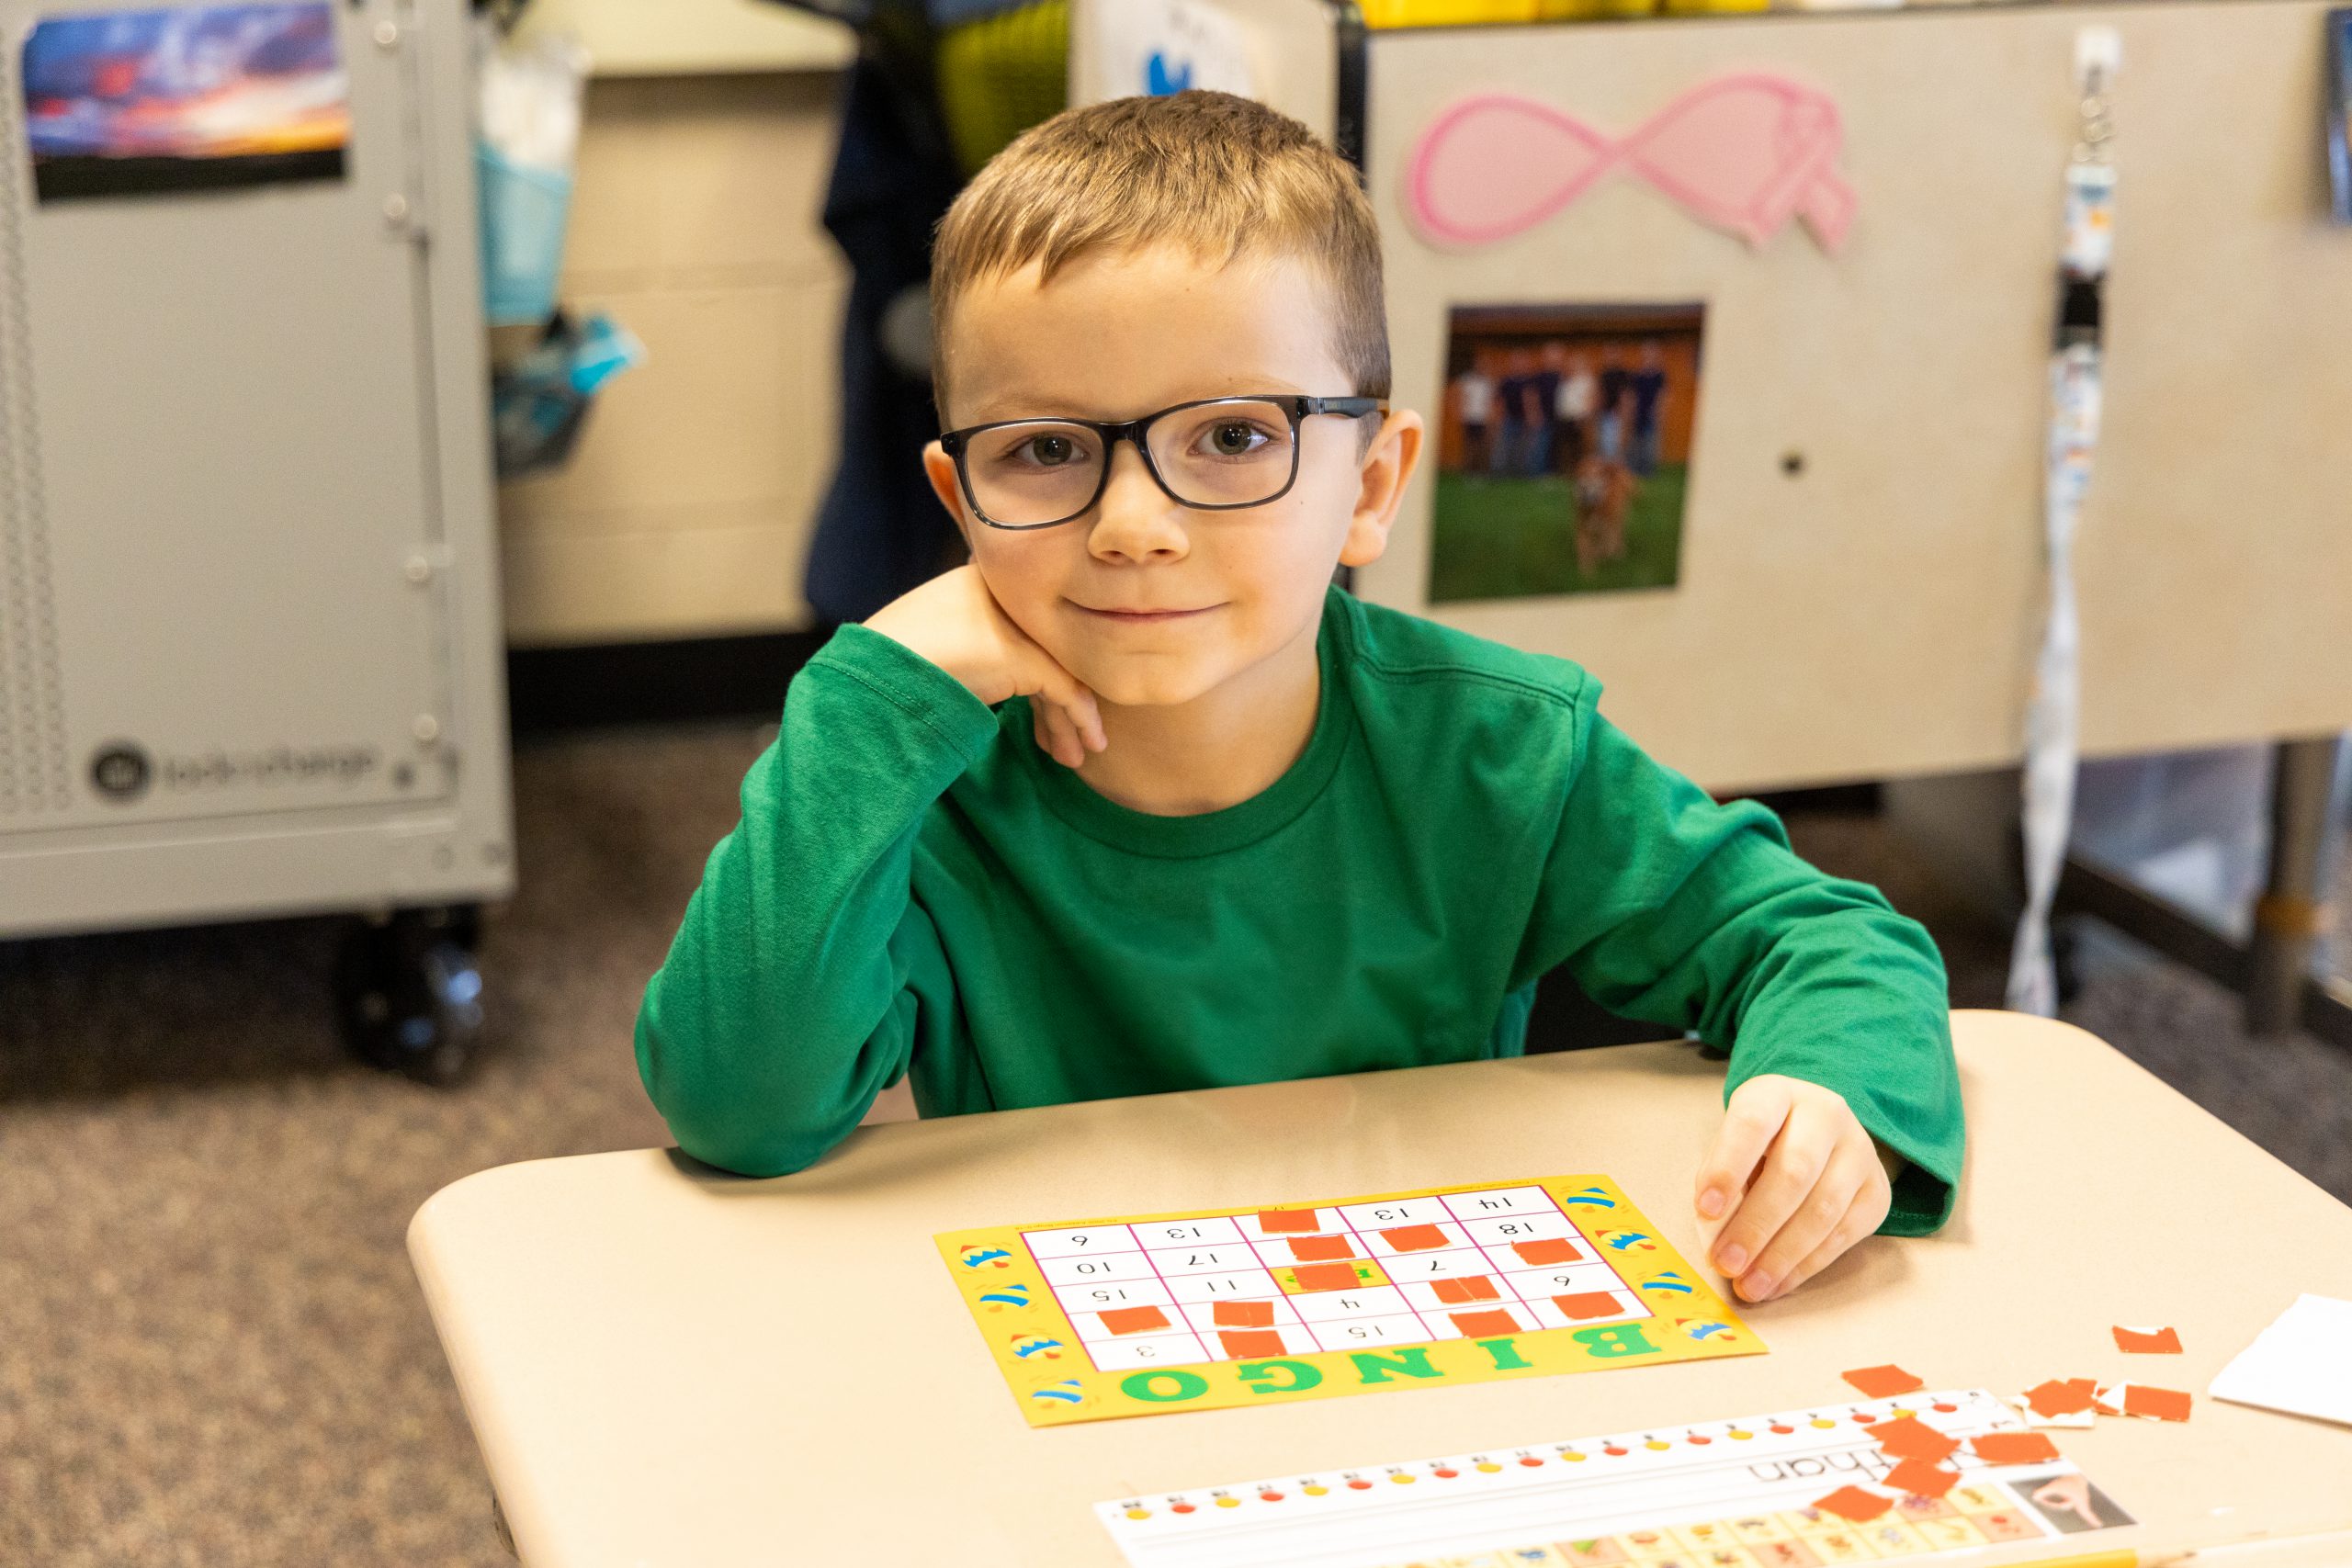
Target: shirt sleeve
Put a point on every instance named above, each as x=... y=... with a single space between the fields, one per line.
x=1675 y=911
x=789 y=998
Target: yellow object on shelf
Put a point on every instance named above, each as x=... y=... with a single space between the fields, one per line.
x=1459 y=13
x=1000 y=75
x=1447 y=13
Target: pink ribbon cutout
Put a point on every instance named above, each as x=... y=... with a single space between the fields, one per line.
x=1744 y=152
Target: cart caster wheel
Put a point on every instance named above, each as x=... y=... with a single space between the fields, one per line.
x=408 y=994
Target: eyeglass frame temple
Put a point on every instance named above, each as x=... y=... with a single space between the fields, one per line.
x=1299 y=407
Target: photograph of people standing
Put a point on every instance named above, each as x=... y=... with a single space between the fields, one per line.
x=1573 y=406
x=1645 y=386
x=1563 y=449
x=1472 y=407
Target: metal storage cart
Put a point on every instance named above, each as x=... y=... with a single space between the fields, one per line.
x=251 y=661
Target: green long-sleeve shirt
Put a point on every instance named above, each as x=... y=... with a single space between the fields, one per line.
x=915 y=889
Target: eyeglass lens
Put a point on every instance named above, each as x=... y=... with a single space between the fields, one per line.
x=1224 y=454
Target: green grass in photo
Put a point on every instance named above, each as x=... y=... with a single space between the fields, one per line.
x=1512 y=537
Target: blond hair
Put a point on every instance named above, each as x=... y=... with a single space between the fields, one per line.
x=1223 y=176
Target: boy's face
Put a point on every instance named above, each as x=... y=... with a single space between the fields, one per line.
x=1143 y=599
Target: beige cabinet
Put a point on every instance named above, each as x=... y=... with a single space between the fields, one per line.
x=688 y=508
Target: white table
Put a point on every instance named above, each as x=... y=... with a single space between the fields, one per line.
x=669 y=1367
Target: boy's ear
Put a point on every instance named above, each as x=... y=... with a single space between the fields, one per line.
x=940 y=469
x=1386 y=469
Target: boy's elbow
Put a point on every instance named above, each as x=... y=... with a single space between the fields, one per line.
x=748 y=1151
x=717 y=1121
x=736 y=1132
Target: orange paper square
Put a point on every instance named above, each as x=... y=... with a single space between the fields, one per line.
x=1413 y=1238
x=2061 y=1397
x=1588 y=1304
x=1251 y=1344
x=1853 y=1502
x=2163 y=1342
x=1882 y=1382
x=1464 y=1288
x=1327 y=1276
x=1480 y=1325
x=1134 y=1320
x=1284 y=1222
x=1320 y=1249
x=1921 y=1478
x=2014 y=1447
x=1908 y=1438
x=2164 y=1404
x=1242 y=1314
x=1539 y=1252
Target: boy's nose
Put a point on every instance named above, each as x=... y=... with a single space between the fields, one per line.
x=1136 y=520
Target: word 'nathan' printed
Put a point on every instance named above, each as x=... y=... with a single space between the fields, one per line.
x=1743 y=1494
x=1144 y=1314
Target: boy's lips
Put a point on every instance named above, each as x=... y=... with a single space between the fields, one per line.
x=1137 y=615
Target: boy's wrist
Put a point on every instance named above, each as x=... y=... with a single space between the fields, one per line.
x=908 y=633
x=1888 y=1159
x=935 y=622
x=913 y=683
x=954 y=624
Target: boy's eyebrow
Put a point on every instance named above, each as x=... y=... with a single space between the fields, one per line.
x=1020 y=405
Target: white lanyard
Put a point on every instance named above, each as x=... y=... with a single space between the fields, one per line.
x=2052 y=724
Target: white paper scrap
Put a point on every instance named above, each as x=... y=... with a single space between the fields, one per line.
x=2302 y=1363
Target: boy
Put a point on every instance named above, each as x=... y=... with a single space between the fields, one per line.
x=1226 y=824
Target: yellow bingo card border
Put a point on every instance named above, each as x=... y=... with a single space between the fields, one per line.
x=1141 y=1315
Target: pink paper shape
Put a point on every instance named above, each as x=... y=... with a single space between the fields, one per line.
x=1744 y=152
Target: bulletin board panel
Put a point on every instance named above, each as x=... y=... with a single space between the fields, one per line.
x=1877 y=613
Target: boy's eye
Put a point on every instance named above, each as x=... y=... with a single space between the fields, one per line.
x=1233 y=438
x=1049 y=451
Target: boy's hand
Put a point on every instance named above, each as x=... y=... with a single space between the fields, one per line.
x=955 y=622
x=1795 y=1180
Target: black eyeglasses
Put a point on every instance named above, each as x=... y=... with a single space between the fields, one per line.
x=1215 y=454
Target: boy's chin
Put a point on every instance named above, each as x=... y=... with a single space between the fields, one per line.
x=1145 y=682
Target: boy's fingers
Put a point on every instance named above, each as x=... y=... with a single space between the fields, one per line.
x=1086 y=718
x=1862 y=1220
x=1035 y=672
x=1064 y=748
x=1810 y=1225
x=1067 y=709
x=1756 y=1112
x=1059 y=688
x=1794 y=1165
